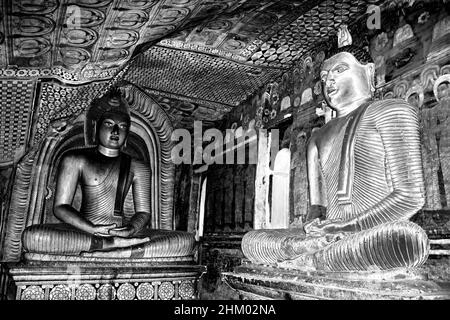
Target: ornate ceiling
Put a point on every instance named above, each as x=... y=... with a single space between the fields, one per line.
x=81 y=40
x=197 y=58
x=84 y=40
x=272 y=33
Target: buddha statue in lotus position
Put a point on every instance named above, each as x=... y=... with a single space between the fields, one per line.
x=365 y=181
x=105 y=175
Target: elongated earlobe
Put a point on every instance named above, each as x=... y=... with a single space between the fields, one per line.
x=94 y=132
x=128 y=135
x=370 y=68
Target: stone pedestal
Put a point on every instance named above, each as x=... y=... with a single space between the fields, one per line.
x=105 y=280
x=263 y=282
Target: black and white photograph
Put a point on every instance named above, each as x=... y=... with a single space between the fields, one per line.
x=219 y=157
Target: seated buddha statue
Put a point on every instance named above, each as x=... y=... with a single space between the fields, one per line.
x=365 y=181
x=105 y=175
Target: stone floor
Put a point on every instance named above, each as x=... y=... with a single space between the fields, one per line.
x=438 y=269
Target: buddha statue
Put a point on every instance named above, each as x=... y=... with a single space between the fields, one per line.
x=105 y=174
x=365 y=181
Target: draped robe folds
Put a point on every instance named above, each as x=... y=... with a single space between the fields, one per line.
x=372 y=177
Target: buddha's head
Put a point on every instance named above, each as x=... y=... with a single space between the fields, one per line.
x=113 y=130
x=441 y=87
x=348 y=74
x=110 y=120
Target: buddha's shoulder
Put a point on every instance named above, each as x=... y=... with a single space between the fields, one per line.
x=78 y=155
x=390 y=107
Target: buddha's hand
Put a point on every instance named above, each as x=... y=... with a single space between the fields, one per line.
x=122 y=232
x=102 y=230
x=311 y=226
x=329 y=227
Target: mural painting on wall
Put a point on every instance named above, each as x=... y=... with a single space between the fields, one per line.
x=424 y=86
x=436 y=144
x=66 y=36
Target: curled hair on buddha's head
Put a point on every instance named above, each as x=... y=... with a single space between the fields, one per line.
x=359 y=53
x=112 y=102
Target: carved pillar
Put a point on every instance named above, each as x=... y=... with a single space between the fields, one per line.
x=261 y=180
x=279 y=217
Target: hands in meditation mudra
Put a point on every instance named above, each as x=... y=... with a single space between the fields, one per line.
x=105 y=175
x=365 y=179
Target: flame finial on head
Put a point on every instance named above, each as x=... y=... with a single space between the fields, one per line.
x=345 y=44
x=344 y=36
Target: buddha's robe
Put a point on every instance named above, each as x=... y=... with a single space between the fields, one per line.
x=373 y=177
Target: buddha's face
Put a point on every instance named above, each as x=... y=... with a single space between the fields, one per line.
x=443 y=90
x=345 y=80
x=113 y=130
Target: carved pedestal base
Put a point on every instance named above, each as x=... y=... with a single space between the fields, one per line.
x=263 y=282
x=95 y=281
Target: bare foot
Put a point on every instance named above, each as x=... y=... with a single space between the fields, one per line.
x=118 y=253
x=304 y=262
x=116 y=247
x=118 y=242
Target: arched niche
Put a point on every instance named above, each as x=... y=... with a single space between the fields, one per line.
x=32 y=195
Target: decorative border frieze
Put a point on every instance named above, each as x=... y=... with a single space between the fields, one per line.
x=87 y=74
x=170 y=43
x=179 y=289
x=431 y=75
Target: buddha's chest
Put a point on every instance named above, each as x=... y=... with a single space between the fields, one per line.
x=96 y=172
x=339 y=145
x=329 y=139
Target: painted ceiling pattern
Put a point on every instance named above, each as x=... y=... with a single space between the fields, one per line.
x=235 y=34
x=315 y=26
x=91 y=39
x=212 y=81
x=83 y=40
x=274 y=35
x=59 y=101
